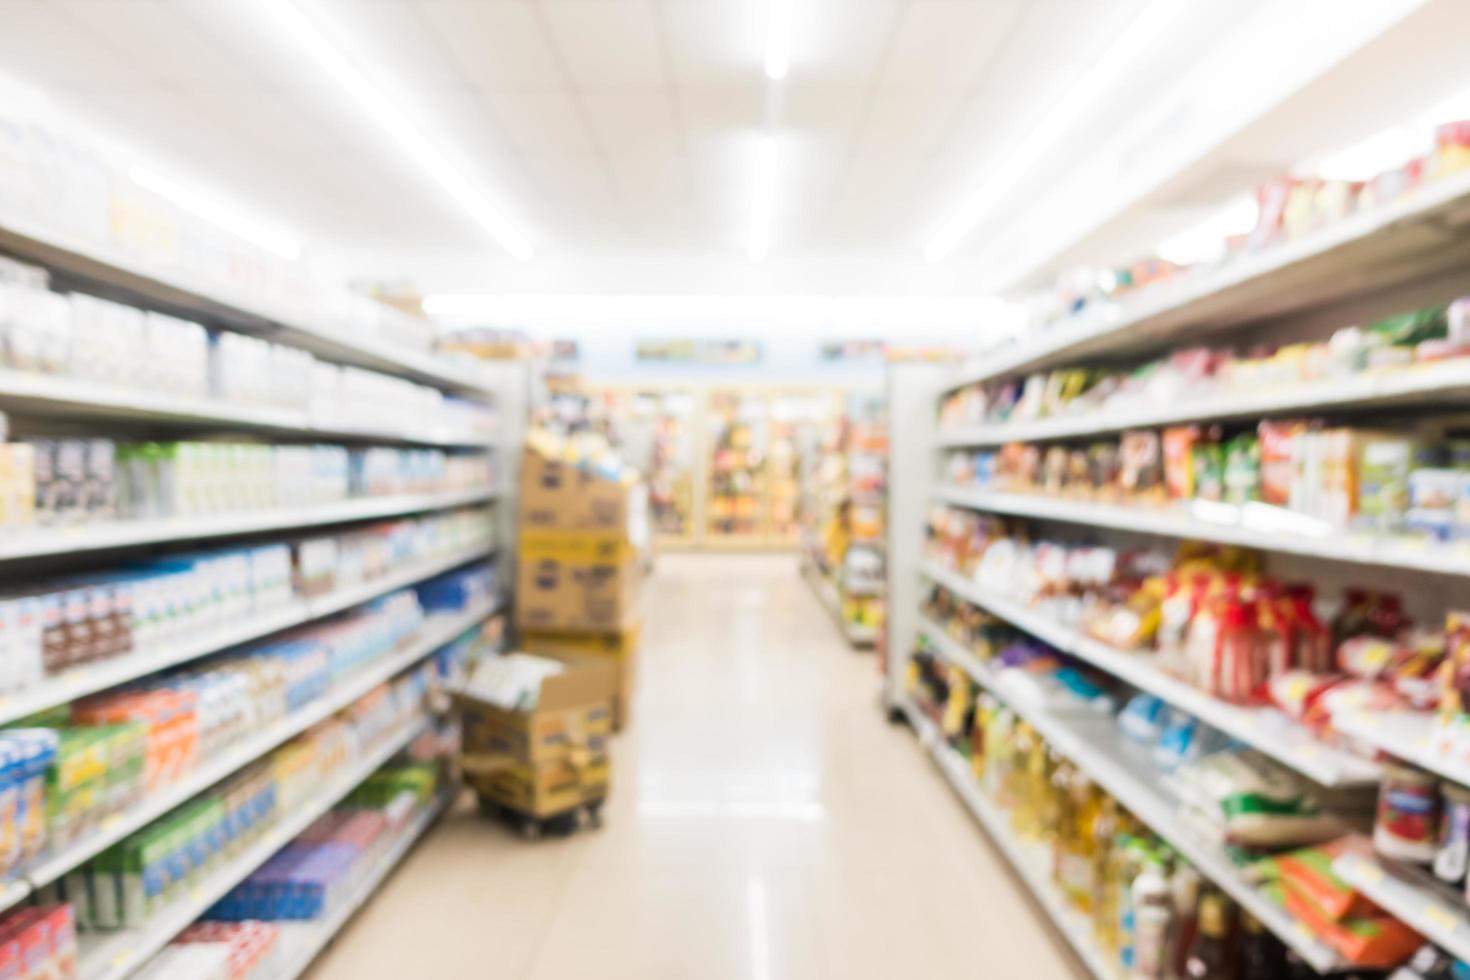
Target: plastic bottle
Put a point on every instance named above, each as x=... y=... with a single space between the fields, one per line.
x=1152 y=915
x=1185 y=885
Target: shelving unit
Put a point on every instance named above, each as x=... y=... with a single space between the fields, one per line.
x=1426 y=233
x=306 y=942
x=826 y=592
x=73 y=539
x=1262 y=729
x=1387 y=389
x=1098 y=747
x=436 y=632
x=77 y=405
x=1028 y=860
x=116 y=955
x=1428 y=906
x=1402 y=255
x=63 y=397
x=100 y=676
x=102 y=271
x=1254 y=525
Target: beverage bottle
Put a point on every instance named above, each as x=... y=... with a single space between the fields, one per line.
x=1152 y=915
x=1208 y=957
x=1262 y=957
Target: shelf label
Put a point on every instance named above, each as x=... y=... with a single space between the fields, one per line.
x=1366 y=872
x=1440 y=917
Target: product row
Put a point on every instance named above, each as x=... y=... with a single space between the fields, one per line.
x=147 y=605
x=1286 y=209
x=1373 y=480
x=1391 y=347
x=127 y=885
x=95 y=340
x=1212 y=617
x=1150 y=914
x=51 y=482
x=307 y=882
x=73 y=767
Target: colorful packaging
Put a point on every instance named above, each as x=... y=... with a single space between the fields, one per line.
x=1407 y=825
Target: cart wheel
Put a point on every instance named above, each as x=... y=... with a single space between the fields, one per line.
x=594 y=815
x=531 y=829
x=896 y=716
x=487 y=806
x=563 y=824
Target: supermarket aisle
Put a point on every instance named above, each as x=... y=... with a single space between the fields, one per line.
x=766 y=823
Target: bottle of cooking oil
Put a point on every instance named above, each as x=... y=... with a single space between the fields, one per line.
x=1077 y=833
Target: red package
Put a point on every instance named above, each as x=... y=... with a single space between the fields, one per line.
x=1377 y=942
x=1278 y=442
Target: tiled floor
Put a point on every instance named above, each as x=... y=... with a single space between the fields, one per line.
x=766 y=823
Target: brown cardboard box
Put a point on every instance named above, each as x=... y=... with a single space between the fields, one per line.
x=621 y=648
x=563 y=497
x=550 y=759
x=570 y=580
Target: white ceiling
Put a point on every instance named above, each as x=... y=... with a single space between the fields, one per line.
x=606 y=128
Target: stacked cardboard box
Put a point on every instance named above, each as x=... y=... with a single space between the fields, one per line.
x=549 y=757
x=582 y=527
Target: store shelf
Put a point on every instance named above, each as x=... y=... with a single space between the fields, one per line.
x=1030 y=861
x=1098 y=747
x=1253 y=525
x=1414 y=737
x=100 y=676
x=73 y=539
x=1424 y=234
x=304 y=943
x=1436 y=384
x=1416 y=898
x=115 y=955
x=1264 y=729
x=53 y=395
x=110 y=274
x=436 y=632
x=857 y=635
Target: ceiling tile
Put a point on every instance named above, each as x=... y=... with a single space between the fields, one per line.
x=498 y=45
x=607 y=43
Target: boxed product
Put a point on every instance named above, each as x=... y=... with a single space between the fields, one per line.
x=566 y=496
x=620 y=647
x=535 y=731
x=571 y=580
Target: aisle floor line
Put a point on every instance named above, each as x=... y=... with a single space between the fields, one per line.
x=766 y=823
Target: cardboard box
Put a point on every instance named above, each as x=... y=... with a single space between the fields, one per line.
x=621 y=648
x=552 y=758
x=580 y=581
x=562 y=497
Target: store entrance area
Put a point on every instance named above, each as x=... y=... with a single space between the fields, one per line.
x=766 y=823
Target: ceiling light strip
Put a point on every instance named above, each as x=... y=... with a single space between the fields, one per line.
x=404 y=133
x=778 y=39
x=764 y=206
x=1124 y=53
x=218 y=213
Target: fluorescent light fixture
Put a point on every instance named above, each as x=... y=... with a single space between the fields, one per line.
x=760 y=929
x=847 y=312
x=397 y=125
x=762 y=211
x=218 y=213
x=1124 y=53
x=778 y=38
x=1205 y=242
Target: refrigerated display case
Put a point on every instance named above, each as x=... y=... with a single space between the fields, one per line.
x=724 y=463
x=736 y=429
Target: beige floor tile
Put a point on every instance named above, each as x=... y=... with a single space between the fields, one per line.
x=767 y=823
